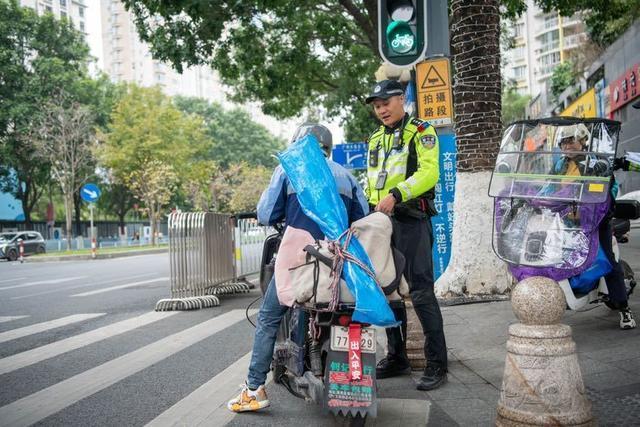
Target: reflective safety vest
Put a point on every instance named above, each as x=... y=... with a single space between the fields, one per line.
x=406 y=159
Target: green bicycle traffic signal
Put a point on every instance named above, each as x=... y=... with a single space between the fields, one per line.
x=402 y=30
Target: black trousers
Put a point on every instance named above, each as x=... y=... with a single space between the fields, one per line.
x=413 y=237
x=615 y=279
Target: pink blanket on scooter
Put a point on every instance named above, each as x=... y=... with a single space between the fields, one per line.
x=290 y=254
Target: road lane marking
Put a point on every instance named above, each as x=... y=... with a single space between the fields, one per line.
x=37 y=406
x=43 y=282
x=12 y=280
x=84 y=285
x=115 y=288
x=45 y=326
x=209 y=401
x=30 y=357
x=10 y=318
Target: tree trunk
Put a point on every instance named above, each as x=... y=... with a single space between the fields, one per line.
x=475 y=40
x=68 y=211
x=77 y=205
x=152 y=224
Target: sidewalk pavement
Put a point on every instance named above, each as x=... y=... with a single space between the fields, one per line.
x=476 y=338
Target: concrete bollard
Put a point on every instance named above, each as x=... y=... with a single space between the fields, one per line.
x=542 y=382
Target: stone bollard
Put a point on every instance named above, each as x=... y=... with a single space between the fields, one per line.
x=415 y=339
x=542 y=382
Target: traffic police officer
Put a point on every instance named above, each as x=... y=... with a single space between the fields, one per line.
x=403 y=169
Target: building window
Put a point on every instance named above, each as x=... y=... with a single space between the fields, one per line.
x=518 y=30
x=80 y=11
x=63 y=14
x=519 y=72
x=63 y=3
x=49 y=9
x=82 y=26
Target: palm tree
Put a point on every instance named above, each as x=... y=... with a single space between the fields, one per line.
x=475 y=43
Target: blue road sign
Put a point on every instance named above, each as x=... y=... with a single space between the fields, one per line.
x=445 y=194
x=352 y=155
x=90 y=193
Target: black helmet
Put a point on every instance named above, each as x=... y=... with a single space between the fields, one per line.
x=322 y=134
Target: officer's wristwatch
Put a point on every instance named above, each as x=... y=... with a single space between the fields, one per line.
x=396 y=194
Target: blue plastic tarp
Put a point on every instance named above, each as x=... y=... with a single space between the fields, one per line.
x=308 y=172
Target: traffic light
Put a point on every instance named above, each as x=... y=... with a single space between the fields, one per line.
x=402 y=31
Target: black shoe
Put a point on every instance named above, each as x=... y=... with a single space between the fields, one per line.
x=392 y=367
x=434 y=377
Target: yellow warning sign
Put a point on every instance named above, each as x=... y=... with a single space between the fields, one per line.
x=435 y=102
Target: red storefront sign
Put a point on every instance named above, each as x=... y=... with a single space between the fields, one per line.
x=625 y=88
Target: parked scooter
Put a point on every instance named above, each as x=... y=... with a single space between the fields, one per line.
x=315 y=349
x=620 y=227
x=551 y=188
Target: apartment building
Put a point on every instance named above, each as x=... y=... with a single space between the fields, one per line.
x=73 y=9
x=541 y=42
x=127 y=58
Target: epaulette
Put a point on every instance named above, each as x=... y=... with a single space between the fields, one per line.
x=373 y=134
x=420 y=124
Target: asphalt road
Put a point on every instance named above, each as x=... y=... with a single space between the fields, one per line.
x=81 y=345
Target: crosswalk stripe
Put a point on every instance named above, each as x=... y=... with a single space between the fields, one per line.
x=84 y=285
x=11 y=280
x=26 y=358
x=10 y=318
x=42 y=282
x=45 y=326
x=114 y=288
x=207 y=403
x=37 y=406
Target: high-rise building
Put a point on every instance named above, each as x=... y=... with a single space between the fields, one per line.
x=72 y=9
x=541 y=42
x=126 y=58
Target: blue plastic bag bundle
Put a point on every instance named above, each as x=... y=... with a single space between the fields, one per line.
x=310 y=176
x=588 y=279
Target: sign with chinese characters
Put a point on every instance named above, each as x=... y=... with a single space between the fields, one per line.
x=433 y=82
x=351 y=155
x=583 y=107
x=624 y=89
x=342 y=391
x=443 y=222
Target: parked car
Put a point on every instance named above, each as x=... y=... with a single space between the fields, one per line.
x=10 y=244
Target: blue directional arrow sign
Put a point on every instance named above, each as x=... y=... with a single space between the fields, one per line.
x=351 y=155
x=90 y=193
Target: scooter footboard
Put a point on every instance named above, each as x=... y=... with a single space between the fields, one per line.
x=577 y=302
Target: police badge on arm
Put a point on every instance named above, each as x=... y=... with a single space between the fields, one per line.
x=428 y=141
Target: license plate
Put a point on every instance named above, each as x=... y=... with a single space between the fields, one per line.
x=340 y=339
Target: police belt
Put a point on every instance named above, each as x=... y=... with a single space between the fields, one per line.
x=422 y=207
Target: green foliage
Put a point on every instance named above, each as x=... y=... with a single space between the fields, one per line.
x=606 y=24
x=234 y=136
x=39 y=56
x=605 y=20
x=238 y=188
x=288 y=55
x=147 y=132
x=562 y=77
x=513 y=105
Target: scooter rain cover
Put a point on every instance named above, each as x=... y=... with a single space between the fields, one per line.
x=308 y=172
x=551 y=183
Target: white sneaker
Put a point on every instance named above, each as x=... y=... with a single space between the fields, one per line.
x=626 y=319
x=249 y=400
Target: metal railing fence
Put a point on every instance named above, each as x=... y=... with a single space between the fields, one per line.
x=209 y=255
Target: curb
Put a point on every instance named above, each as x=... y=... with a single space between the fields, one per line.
x=98 y=256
